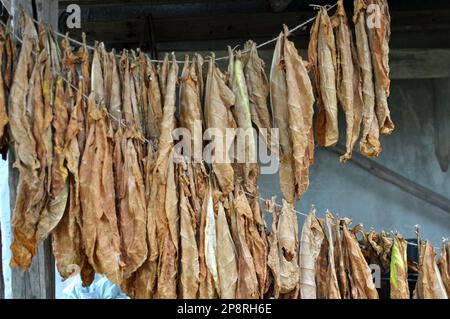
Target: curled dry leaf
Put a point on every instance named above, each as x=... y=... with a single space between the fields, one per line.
x=429 y=284
x=246 y=156
x=310 y=243
x=300 y=101
x=399 y=269
x=258 y=91
x=227 y=261
x=370 y=145
x=322 y=55
x=189 y=267
x=218 y=101
x=273 y=261
x=100 y=232
x=361 y=283
x=247 y=285
x=288 y=250
x=278 y=97
x=444 y=265
x=341 y=266
x=379 y=45
x=24 y=220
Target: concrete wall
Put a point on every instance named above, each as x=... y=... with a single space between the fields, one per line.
x=349 y=191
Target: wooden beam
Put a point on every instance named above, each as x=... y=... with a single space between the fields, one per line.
x=397 y=180
x=441 y=117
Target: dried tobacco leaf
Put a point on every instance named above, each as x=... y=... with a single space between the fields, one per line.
x=246 y=156
x=279 y=101
x=399 y=269
x=361 y=282
x=444 y=265
x=288 y=250
x=247 y=285
x=273 y=261
x=345 y=75
x=189 y=266
x=322 y=55
x=379 y=45
x=207 y=288
x=429 y=284
x=300 y=102
x=100 y=232
x=370 y=145
x=218 y=100
x=67 y=241
x=154 y=101
x=310 y=243
x=258 y=91
x=163 y=199
x=227 y=261
x=24 y=220
x=341 y=266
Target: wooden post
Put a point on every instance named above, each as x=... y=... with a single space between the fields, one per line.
x=38 y=282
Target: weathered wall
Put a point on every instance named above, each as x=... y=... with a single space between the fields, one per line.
x=349 y=191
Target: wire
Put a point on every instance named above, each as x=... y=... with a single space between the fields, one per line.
x=306 y=215
x=90 y=47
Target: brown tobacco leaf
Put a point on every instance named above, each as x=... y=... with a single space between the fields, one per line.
x=310 y=243
x=189 y=266
x=69 y=61
x=132 y=206
x=3 y=116
x=164 y=199
x=11 y=54
x=345 y=76
x=361 y=283
x=247 y=285
x=288 y=250
x=399 y=269
x=379 y=44
x=83 y=55
x=191 y=109
x=154 y=101
x=227 y=261
x=247 y=164
x=59 y=123
x=322 y=55
x=273 y=262
x=444 y=265
x=163 y=71
x=100 y=232
x=218 y=101
x=97 y=77
x=258 y=91
x=115 y=99
x=24 y=218
x=278 y=96
x=207 y=288
x=429 y=284
x=67 y=241
x=333 y=286
x=300 y=102
x=341 y=266
x=370 y=144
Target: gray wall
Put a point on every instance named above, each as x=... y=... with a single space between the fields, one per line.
x=349 y=191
